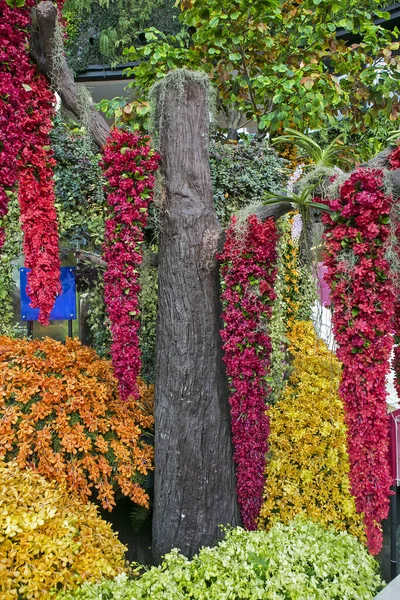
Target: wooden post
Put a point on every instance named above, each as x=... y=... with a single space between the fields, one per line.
x=195 y=483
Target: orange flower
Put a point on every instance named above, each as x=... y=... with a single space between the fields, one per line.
x=60 y=413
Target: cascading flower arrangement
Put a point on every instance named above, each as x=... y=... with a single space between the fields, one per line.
x=394 y=158
x=26 y=111
x=363 y=301
x=14 y=64
x=129 y=164
x=308 y=472
x=36 y=196
x=248 y=273
x=393 y=164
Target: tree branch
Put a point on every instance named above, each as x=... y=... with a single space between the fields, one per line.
x=263 y=213
x=42 y=51
x=90 y=257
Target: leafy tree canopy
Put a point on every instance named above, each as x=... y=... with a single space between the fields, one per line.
x=281 y=64
x=98 y=30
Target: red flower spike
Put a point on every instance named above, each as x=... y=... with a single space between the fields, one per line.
x=394 y=158
x=363 y=309
x=26 y=111
x=128 y=164
x=248 y=272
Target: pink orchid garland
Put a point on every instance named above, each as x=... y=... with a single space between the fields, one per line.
x=248 y=274
x=363 y=306
x=128 y=164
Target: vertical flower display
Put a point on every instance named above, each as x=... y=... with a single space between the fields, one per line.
x=248 y=272
x=14 y=64
x=394 y=157
x=393 y=164
x=37 y=200
x=363 y=305
x=26 y=110
x=129 y=164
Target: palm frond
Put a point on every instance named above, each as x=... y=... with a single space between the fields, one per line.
x=394 y=136
x=325 y=157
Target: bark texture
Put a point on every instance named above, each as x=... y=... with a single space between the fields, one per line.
x=195 y=483
x=58 y=71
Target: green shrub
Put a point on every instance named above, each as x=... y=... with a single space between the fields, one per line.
x=300 y=561
x=241 y=173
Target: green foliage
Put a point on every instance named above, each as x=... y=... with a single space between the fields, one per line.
x=241 y=173
x=277 y=325
x=328 y=156
x=304 y=200
x=99 y=323
x=363 y=142
x=80 y=200
x=296 y=562
x=98 y=30
x=307 y=293
x=148 y=300
x=281 y=64
x=10 y=252
x=138 y=517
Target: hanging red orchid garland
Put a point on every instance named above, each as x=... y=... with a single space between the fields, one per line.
x=36 y=196
x=396 y=350
x=394 y=163
x=128 y=164
x=248 y=274
x=394 y=158
x=26 y=111
x=14 y=64
x=363 y=299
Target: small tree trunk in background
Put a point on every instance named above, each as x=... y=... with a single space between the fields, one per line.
x=195 y=484
x=85 y=334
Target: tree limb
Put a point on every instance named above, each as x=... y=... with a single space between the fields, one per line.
x=42 y=51
x=263 y=213
x=90 y=257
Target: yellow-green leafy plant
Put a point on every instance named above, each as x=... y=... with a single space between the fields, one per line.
x=49 y=540
x=308 y=468
x=299 y=561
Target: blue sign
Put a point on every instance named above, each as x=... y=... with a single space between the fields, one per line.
x=65 y=304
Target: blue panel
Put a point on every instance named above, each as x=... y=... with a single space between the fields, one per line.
x=65 y=304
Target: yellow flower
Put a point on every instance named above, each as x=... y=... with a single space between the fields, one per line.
x=308 y=468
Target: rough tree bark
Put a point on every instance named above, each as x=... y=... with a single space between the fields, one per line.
x=42 y=52
x=194 y=475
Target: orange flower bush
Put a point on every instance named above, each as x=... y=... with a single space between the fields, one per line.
x=60 y=414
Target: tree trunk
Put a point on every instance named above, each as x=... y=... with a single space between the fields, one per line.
x=195 y=484
x=53 y=64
